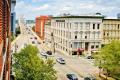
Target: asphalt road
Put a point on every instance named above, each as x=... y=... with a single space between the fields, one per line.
x=77 y=65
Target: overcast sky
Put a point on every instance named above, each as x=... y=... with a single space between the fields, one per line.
x=32 y=8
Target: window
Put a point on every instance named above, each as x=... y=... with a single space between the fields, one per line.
x=76 y=25
x=80 y=25
x=97 y=46
x=118 y=26
x=76 y=37
x=92 y=47
x=98 y=26
x=87 y=25
x=85 y=37
x=93 y=26
x=70 y=25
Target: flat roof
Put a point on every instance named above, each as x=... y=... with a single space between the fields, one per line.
x=111 y=19
x=100 y=17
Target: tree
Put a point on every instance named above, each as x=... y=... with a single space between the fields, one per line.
x=28 y=66
x=109 y=59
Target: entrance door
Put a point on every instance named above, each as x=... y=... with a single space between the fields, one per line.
x=86 y=46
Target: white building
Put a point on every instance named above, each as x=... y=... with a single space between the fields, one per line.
x=76 y=34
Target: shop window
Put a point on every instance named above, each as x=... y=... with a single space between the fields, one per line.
x=92 y=47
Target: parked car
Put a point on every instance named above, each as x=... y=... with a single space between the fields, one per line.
x=72 y=77
x=60 y=60
x=38 y=42
x=89 y=77
x=33 y=42
x=49 y=52
x=90 y=57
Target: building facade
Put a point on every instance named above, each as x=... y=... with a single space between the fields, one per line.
x=76 y=34
x=30 y=23
x=111 y=30
x=5 y=57
x=39 y=26
x=13 y=16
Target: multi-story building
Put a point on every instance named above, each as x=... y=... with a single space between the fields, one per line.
x=39 y=26
x=111 y=30
x=30 y=23
x=5 y=59
x=13 y=16
x=76 y=34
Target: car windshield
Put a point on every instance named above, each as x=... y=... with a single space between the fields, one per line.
x=61 y=59
x=73 y=75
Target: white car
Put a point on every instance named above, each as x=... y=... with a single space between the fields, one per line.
x=43 y=53
x=60 y=60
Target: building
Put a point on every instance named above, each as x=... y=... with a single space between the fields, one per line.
x=30 y=23
x=111 y=30
x=76 y=34
x=5 y=57
x=13 y=16
x=39 y=26
x=118 y=15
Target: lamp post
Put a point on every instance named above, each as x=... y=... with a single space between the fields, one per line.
x=52 y=42
x=15 y=47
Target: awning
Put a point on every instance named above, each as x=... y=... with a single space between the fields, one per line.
x=80 y=49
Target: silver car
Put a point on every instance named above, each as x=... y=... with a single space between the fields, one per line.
x=60 y=60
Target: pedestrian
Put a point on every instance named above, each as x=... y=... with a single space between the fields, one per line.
x=46 y=56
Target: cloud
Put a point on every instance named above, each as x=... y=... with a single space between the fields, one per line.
x=44 y=7
x=34 y=8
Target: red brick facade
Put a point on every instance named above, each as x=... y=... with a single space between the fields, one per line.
x=5 y=58
x=40 y=24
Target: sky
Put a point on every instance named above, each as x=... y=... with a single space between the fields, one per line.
x=30 y=9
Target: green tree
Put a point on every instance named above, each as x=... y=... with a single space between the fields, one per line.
x=28 y=65
x=109 y=59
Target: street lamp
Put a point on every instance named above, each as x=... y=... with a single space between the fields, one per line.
x=16 y=47
x=52 y=40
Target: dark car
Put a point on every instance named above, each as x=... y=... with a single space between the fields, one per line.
x=35 y=37
x=89 y=77
x=72 y=77
x=49 y=52
x=90 y=57
x=33 y=42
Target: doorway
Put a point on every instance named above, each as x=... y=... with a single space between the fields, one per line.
x=86 y=46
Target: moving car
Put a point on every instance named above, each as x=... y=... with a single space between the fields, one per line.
x=35 y=37
x=60 y=60
x=89 y=77
x=38 y=42
x=33 y=42
x=72 y=77
x=90 y=57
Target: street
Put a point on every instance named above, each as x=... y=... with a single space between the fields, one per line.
x=74 y=64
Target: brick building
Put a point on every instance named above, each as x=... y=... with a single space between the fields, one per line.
x=40 y=24
x=5 y=9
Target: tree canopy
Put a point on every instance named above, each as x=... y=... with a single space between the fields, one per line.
x=109 y=58
x=28 y=65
